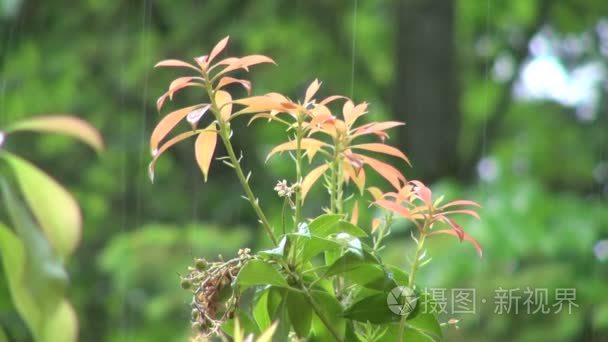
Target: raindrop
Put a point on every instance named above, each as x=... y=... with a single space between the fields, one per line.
x=154 y=152
x=2 y=136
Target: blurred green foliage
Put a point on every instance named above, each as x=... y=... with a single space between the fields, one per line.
x=544 y=201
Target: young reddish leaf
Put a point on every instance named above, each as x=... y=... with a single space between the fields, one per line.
x=166 y=124
x=202 y=62
x=312 y=90
x=423 y=192
x=157 y=153
x=245 y=63
x=355 y=113
x=354 y=217
x=61 y=124
x=391 y=174
x=176 y=63
x=394 y=207
x=465 y=237
x=358 y=176
x=383 y=148
x=255 y=104
x=463 y=211
x=376 y=222
x=223 y=100
x=204 y=148
x=229 y=80
x=460 y=202
x=219 y=47
x=376 y=128
x=181 y=83
x=331 y=99
x=268 y=116
x=312 y=146
x=311 y=178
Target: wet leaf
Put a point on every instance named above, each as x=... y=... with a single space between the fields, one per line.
x=176 y=63
x=217 y=49
x=312 y=90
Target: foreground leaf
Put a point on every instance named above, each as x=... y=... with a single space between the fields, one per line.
x=54 y=208
x=61 y=124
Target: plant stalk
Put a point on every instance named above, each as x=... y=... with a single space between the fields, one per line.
x=299 y=155
x=224 y=133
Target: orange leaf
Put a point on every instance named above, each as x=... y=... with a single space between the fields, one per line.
x=311 y=178
x=175 y=63
x=377 y=128
x=229 y=80
x=222 y=100
x=462 y=211
x=358 y=176
x=394 y=207
x=312 y=146
x=219 y=47
x=423 y=192
x=460 y=202
x=354 y=217
x=61 y=124
x=465 y=237
x=165 y=147
x=391 y=174
x=383 y=148
x=312 y=90
x=375 y=224
x=256 y=104
x=166 y=124
x=332 y=98
x=204 y=148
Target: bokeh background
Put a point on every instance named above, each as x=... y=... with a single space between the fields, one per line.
x=505 y=103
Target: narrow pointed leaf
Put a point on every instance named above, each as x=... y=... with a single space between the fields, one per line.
x=312 y=90
x=166 y=124
x=311 y=178
x=175 y=63
x=217 y=49
x=222 y=100
x=466 y=237
x=383 y=148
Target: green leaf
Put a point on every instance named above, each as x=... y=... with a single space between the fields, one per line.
x=314 y=245
x=277 y=306
x=260 y=311
x=322 y=225
x=329 y=224
x=300 y=313
x=424 y=322
x=14 y=264
x=257 y=272
x=55 y=209
x=372 y=276
x=372 y=308
x=62 y=325
x=45 y=276
x=350 y=261
x=332 y=310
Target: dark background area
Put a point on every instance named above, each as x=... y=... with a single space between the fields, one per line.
x=505 y=103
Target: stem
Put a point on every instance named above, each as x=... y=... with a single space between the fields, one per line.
x=299 y=136
x=224 y=132
x=413 y=270
x=335 y=166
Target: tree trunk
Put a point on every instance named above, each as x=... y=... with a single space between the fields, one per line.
x=426 y=94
